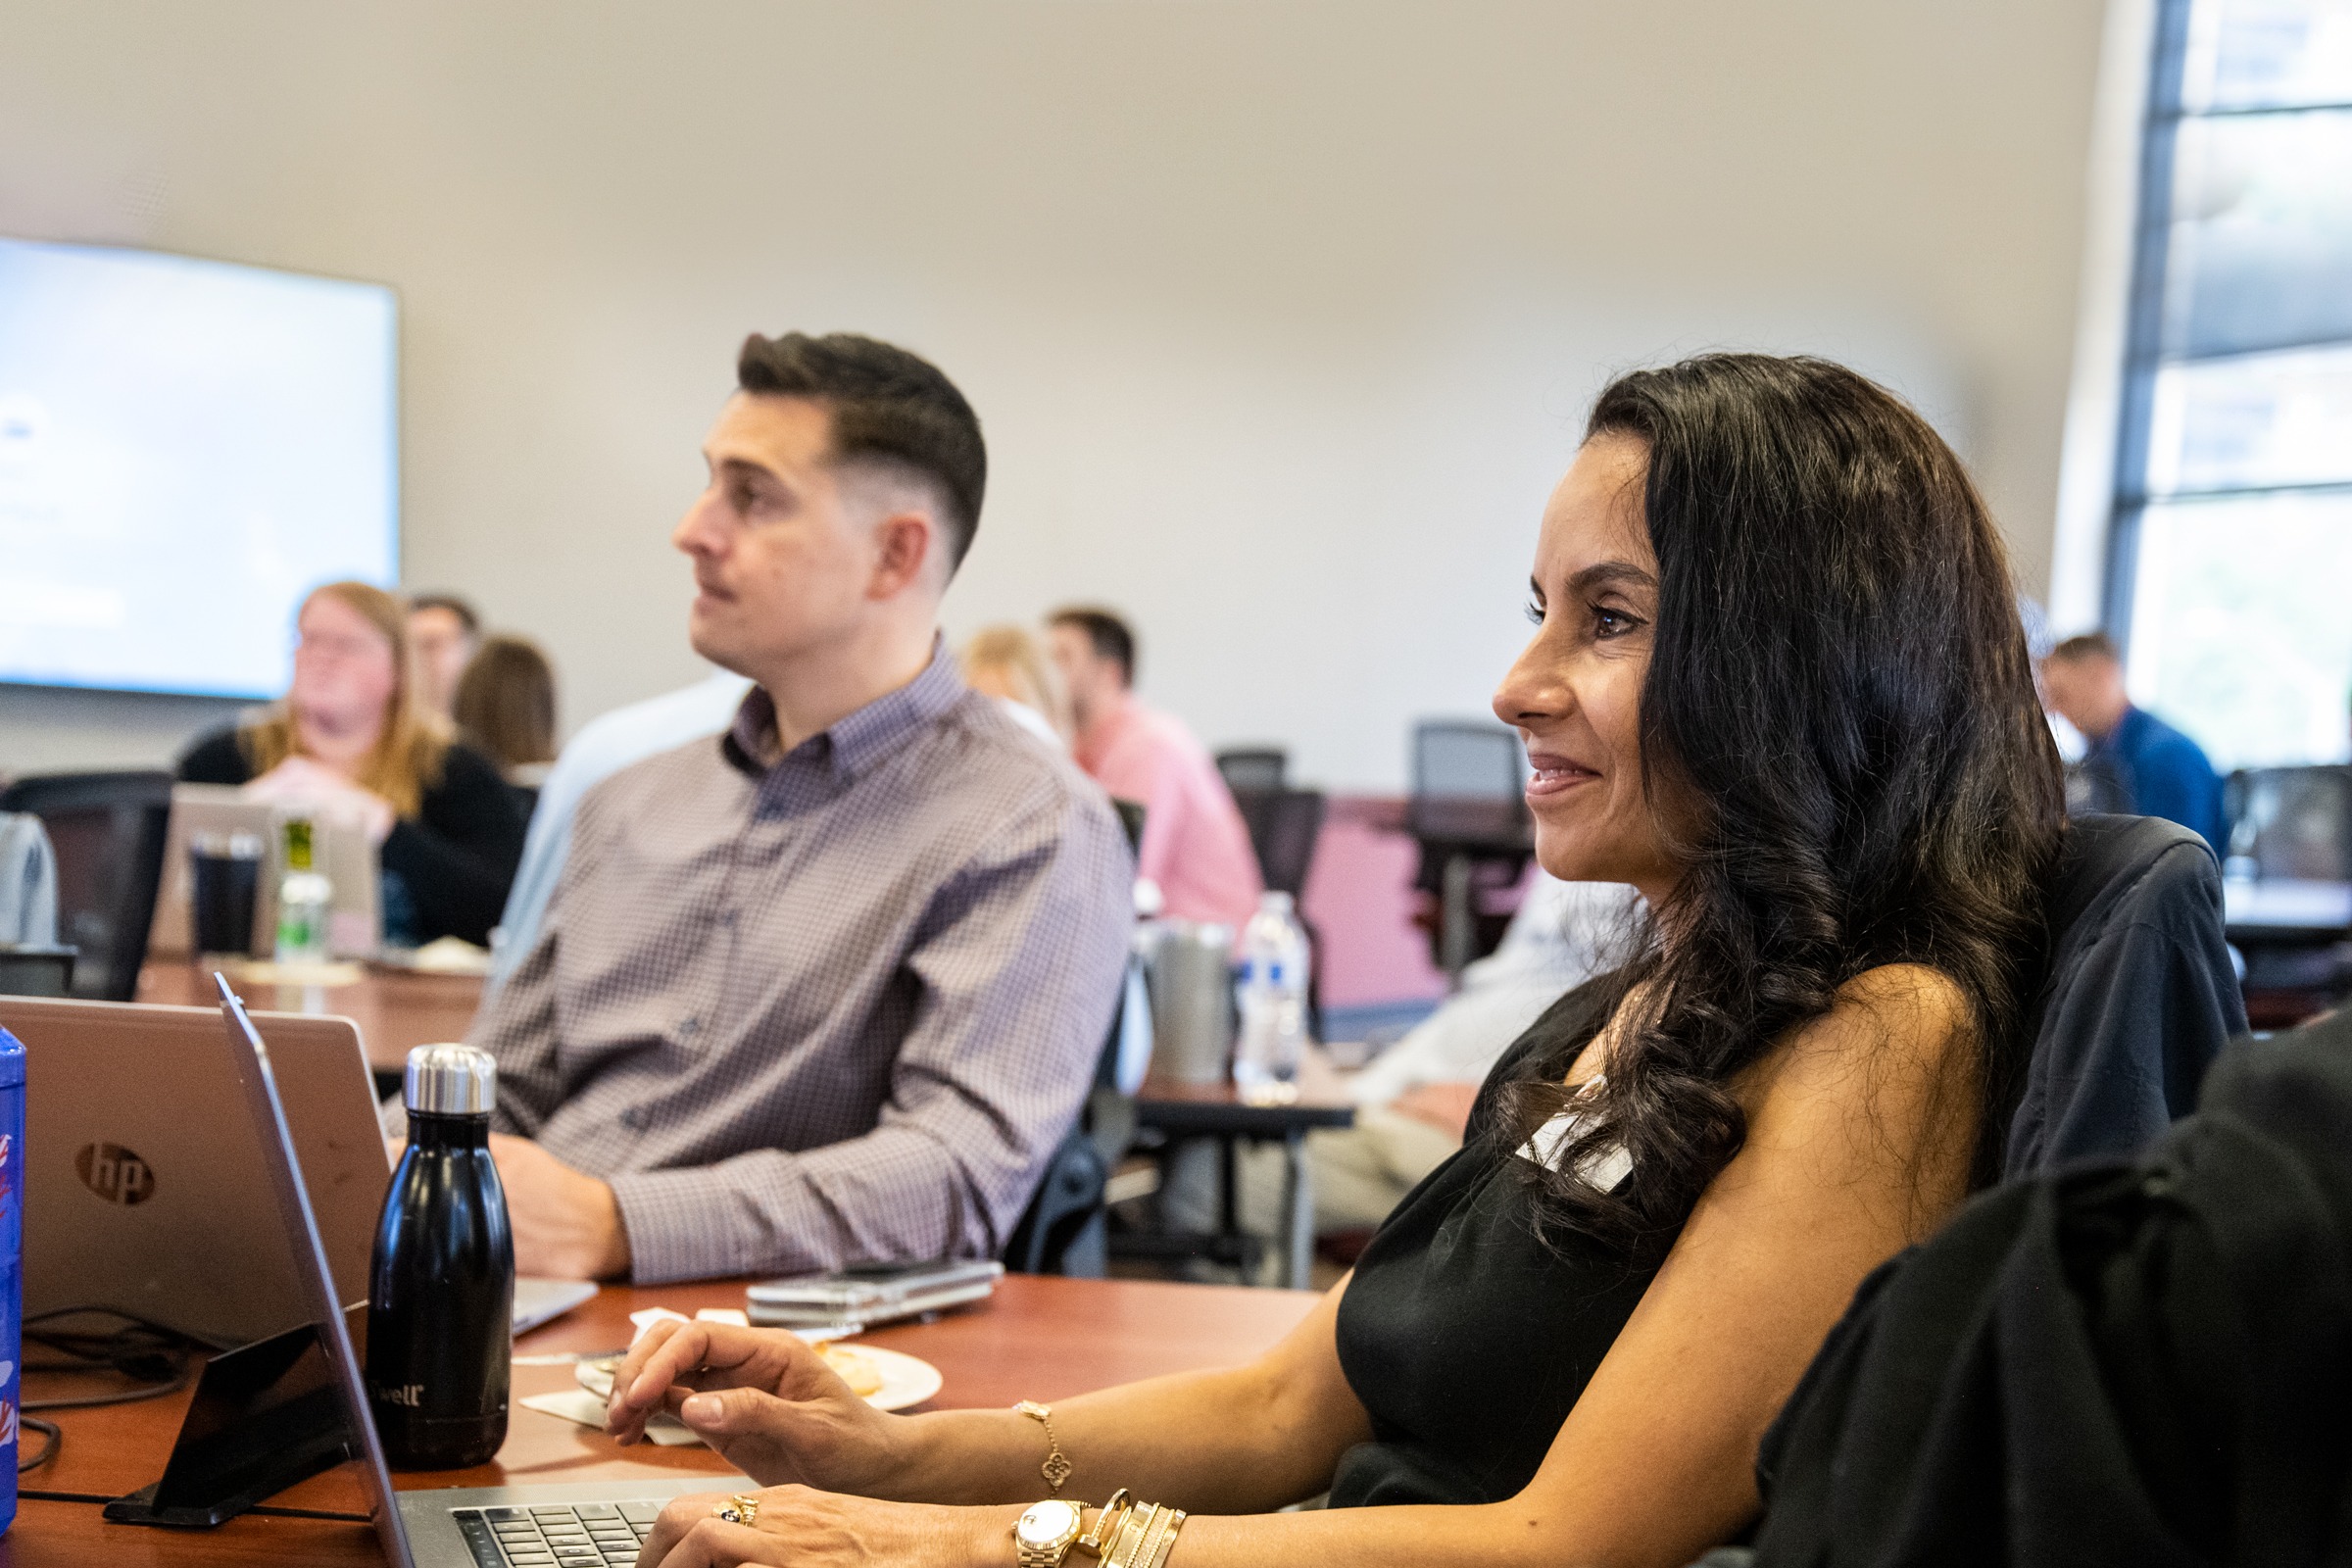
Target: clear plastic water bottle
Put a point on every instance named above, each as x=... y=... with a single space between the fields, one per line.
x=304 y=898
x=1273 y=997
x=12 y=1261
x=441 y=1290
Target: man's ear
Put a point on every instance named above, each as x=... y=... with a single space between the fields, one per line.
x=905 y=543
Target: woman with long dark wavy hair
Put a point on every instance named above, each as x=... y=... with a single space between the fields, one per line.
x=1777 y=683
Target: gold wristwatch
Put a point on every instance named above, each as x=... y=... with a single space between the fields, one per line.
x=1043 y=1535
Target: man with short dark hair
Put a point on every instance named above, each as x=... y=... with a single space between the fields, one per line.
x=2156 y=770
x=444 y=634
x=1196 y=846
x=829 y=987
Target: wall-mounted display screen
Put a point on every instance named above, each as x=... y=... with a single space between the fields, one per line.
x=186 y=448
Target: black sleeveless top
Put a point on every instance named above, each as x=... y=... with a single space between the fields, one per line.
x=1466 y=1339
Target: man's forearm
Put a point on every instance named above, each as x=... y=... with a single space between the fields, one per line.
x=892 y=1195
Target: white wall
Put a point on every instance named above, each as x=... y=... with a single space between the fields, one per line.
x=1280 y=317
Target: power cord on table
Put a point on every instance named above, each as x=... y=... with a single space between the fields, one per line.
x=162 y=1360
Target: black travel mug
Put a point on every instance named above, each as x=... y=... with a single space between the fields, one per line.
x=225 y=884
x=441 y=1292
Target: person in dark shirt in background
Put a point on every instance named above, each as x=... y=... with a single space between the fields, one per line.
x=2157 y=770
x=351 y=739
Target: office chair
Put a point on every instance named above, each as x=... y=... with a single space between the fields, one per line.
x=2291 y=822
x=1468 y=813
x=2138 y=994
x=1062 y=1231
x=1066 y=1230
x=107 y=831
x=1284 y=825
x=1258 y=767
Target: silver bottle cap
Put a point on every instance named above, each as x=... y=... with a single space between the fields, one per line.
x=451 y=1080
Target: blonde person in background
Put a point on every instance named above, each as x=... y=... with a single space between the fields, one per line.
x=351 y=738
x=1006 y=662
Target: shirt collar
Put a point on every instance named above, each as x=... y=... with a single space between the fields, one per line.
x=854 y=742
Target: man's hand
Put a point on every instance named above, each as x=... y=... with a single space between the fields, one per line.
x=566 y=1224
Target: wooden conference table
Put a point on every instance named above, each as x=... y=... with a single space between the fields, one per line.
x=1037 y=1339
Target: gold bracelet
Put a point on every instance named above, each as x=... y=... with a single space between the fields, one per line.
x=1150 y=1550
x=1167 y=1543
x=1097 y=1538
x=1132 y=1527
x=1057 y=1467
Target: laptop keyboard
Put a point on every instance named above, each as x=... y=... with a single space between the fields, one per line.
x=585 y=1534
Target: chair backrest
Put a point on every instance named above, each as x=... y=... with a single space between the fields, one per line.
x=1063 y=1231
x=106 y=831
x=1468 y=779
x=1254 y=768
x=28 y=969
x=2292 y=821
x=2137 y=996
x=1284 y=825
x=1465 y=760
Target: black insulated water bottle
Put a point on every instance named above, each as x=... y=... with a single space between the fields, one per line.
x=441 y=1291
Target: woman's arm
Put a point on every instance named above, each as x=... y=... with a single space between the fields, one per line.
x=1240 y=1440
x=1246 y=1440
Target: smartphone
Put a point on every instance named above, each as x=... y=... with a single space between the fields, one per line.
x=866 y=1294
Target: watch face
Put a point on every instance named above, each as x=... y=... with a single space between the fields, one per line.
x=1047 y=1523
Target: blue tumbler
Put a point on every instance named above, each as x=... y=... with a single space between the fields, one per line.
x=12 y=1261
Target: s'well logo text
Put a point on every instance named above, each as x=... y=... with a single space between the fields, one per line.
x=115 y=1173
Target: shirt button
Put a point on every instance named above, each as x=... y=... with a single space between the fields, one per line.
x=632 y=1118
x=686 y=1030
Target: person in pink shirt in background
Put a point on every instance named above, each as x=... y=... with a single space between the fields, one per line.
x=1194 y=845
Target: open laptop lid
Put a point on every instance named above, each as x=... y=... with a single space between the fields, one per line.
x=249 y=1060
x=344 y=854
x=139 y=1198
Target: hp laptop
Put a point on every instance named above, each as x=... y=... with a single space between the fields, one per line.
x=483 y=1527
x=140 y=1198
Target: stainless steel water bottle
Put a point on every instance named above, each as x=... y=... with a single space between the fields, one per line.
x=441 y=1291
x=12 y=1262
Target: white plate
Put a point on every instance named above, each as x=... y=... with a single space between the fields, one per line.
x=907 y=1380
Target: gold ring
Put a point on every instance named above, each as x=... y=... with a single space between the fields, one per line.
x=741 y=1509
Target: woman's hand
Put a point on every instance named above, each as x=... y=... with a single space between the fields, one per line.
x=763 y=1398
x=810 y=1529
x=306 y=782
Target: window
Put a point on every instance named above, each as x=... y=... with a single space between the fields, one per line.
x=2230 y=562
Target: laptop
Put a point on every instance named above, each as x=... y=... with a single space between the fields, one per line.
x=474 y=1527
x=354 y=921
x=136 y=1201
